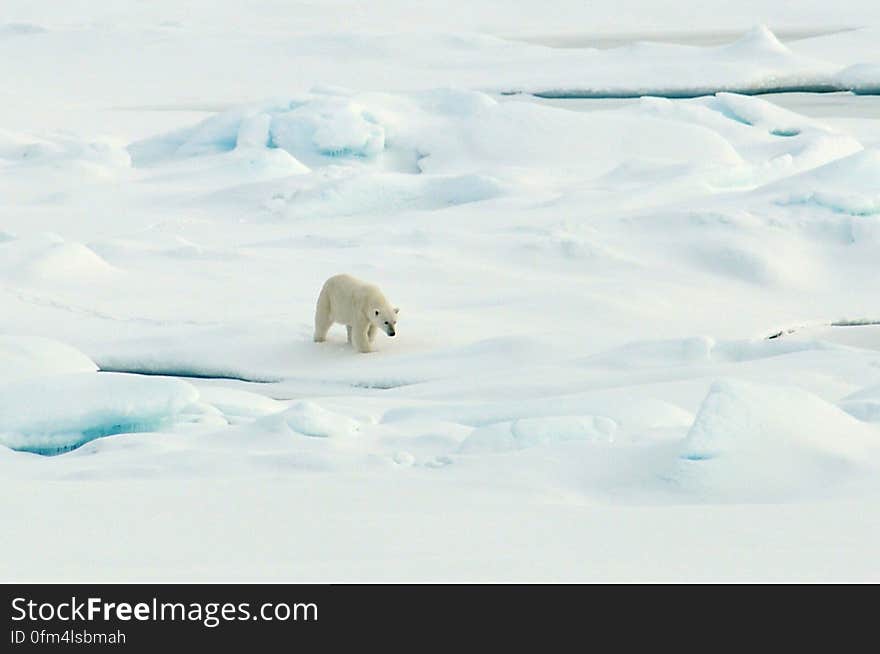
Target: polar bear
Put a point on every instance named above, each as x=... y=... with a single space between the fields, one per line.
x=359 y=306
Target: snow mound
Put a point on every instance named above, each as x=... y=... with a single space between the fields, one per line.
x=23 y=357
x=315 y=129
x=216 y=134
x=533 y=432
x=239 y=404
x=51 y=415
x=756 y=112
x=752 y=441
x=65 y=260
x=864 y=404
x=847 y=186
x=328 y=126
x=770 y=141
x=309 y=419
x=48 y=257
x=757 y=40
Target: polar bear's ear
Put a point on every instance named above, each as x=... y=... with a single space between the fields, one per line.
x=396 y=309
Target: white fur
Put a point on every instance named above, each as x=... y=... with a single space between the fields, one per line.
x=360 y=306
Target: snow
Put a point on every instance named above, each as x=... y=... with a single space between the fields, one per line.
x=532 y=432
x=638 y=337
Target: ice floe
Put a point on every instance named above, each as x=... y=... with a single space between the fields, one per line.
x=54 y=414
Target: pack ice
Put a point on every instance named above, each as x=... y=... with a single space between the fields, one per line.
x=638 y=338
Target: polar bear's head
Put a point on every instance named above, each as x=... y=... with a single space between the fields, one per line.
x=385 y=318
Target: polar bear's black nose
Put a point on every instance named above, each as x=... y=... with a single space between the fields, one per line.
x=391 y=332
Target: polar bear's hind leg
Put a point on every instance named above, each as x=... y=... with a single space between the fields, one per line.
x=322 y=317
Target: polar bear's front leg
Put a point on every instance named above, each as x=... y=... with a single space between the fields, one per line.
x=360 y=339
x=348 y=329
